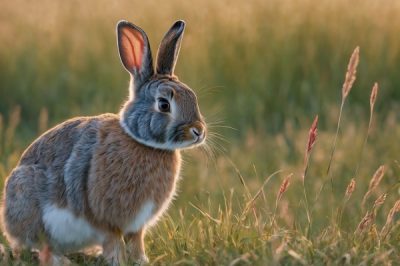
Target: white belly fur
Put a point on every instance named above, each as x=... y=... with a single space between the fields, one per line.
x=68 y=230
x=76 y=233
x=141 y=218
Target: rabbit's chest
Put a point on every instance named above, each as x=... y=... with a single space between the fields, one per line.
x=141 y=218
x=129 y=184
x=152 y=205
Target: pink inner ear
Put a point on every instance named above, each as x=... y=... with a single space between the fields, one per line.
x=132 y=48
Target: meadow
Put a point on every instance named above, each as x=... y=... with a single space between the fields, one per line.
x=263 y=70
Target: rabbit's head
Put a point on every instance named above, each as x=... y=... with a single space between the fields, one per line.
x=161 y=112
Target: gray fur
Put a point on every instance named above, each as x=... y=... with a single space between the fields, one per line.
x=169 y=49
x=22 y=206
x=77 y=167
x=148 y=125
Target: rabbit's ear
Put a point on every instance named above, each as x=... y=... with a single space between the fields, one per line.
x=134 y=51
x=169 y=48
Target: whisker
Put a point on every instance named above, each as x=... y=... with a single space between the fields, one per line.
x=217 y=146
x=218 y=138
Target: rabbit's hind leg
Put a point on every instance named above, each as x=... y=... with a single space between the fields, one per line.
x=114 y=250
x=21 y=212
x=135 y=247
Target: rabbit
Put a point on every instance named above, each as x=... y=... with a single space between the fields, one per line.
x=103 y=180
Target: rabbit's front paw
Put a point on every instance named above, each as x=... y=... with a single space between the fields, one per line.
x=142 y=260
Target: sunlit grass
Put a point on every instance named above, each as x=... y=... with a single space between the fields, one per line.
x=263 y=70
x=224 y=215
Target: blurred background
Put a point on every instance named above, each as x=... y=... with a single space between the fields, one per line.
x=255 y=64
x=262 y=71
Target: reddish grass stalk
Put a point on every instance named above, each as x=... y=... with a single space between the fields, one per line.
x=347 y=85
x=312 y=138
x=284 y=186
x=282 y=189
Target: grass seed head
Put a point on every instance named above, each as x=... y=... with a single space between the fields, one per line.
x=350 y=188
x=374 y=94
x=284 y=186
x=386 y=228
x=395 y=209
x=377 y=177
x=312 y=138
x=351 y=73
x=366 y=222
x=375 y=180
x=312 y=135
x=379 y=201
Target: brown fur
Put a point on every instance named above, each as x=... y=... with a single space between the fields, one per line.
x=125 y=174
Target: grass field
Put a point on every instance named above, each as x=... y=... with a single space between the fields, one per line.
x=263 y=70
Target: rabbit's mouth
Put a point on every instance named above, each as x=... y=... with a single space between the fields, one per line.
x=189 y=135
x=188 y=144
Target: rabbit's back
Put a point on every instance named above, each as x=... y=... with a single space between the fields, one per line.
x=53 y=148
x=64 y=153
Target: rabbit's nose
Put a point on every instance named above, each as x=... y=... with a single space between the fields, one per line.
x=197 y=132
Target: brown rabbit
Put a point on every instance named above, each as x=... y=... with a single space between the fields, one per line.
x=103 y=180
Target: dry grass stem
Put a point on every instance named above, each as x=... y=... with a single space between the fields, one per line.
x=351 y=72
x=366 y=222
x=374 y=94
x=375 y=180
x=372 y=99
x=350 y=188
x=379 y=201
x=282 y=189
x=251 y=202
x=386 y=228
x=284 y=186
x=349 y=191
x=312 y=138
x=312 y=135
x=347 y=85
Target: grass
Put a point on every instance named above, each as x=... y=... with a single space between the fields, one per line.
x=228 y=216
x=263 y=68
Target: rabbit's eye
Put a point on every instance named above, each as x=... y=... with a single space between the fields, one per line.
x=163 y=105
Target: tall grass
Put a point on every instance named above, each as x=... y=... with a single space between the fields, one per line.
x=258 y=67
x=232 y=220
